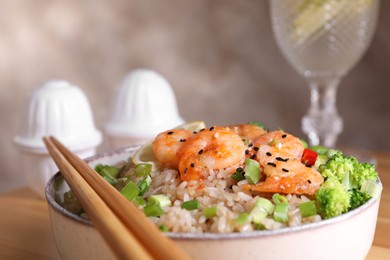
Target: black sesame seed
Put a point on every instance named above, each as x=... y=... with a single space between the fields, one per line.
x=309 y=181
x=200 y=151
x=250 y=145
x=280 y=159
x=285 y=170
x=194 y=132
x=192 y=165
x=202 y=129
x=284 y=136
x=170 y=133
x=268 y=154
x=246 y=151
x=253 y=156
x=182 y=140
x=211 y=128
x=272 y=164
x=256 y=148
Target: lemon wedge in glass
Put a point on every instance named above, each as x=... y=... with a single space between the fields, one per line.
x=145 y=153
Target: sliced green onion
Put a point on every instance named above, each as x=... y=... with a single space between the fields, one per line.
x=161 y=200
x=304 y=143
x=130 y=191
x=111 y=180
x=210 y=212
x=257 y=214
x=274 y=142
x=164 y=228
x=144 y=185
x=308 y=209
x=281 y=212
x=319 y=149
x=257 y=123
x=259 y=226
x=265 y=204
x=190 y=205
x=252 y=171
x=238 y=175
x=153 y=210
x=99 y=168
x=140 y=201
x=279 y=199
x=372 y=188
x=242 y=218
x=142 y=169
x=107 y=170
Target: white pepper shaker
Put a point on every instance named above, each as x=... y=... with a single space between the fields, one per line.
x=143 y=106
x=62 y=110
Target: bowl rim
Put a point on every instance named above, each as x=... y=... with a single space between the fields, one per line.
x=49 y=191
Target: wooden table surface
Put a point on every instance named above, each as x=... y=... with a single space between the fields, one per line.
x=25 y=231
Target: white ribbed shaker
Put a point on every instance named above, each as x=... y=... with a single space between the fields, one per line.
x=62 y=110
x=143 y=106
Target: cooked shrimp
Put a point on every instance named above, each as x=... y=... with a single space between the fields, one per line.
x=281 y=141
x=168 y=143
x=289 y=176
x=214 y=148
x=279 y=154
x=248 y=131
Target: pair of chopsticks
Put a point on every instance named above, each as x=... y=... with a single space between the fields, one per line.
x=123 y=226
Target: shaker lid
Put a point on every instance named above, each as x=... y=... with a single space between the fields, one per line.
x=62 y=110
x=143 y=106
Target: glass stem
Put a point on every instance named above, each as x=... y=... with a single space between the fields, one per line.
x=322 y=123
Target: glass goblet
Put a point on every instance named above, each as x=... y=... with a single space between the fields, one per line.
x=323 y=40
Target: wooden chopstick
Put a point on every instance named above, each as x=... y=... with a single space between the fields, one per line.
x=123 y=243
x=156 y=244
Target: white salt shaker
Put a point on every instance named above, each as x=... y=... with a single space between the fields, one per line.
x=143 y=106
x=62 y=110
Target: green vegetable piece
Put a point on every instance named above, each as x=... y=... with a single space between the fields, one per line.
x=357 y=199
x=257 y=123
x=164 y=228
x=130 y=191
x=191 y=205
x=252 y=171
x=107 y=170
x=265 y=204
x=348 y=171
x=140 y=201
x=238 y=175
x=332 y=199
x=111 y=180
x=142 y=169
x=257 y=214
x=99 y=168
x=319 y=149
x=144 y=185
x=153 y=210
x=304 y=143
x=308 y=209
x=279 y=199
x=242 y=218
x=259 y=226
x=372 y=188
x=210 y=212
x=281 y=212
x=161 y=200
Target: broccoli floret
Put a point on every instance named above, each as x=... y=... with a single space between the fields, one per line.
x=358 y=198
x=347 y=170
x=332 y=199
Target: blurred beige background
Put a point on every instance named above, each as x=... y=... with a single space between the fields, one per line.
x=220 y=57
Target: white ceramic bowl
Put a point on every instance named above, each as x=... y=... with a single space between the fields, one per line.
x=348 y=236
